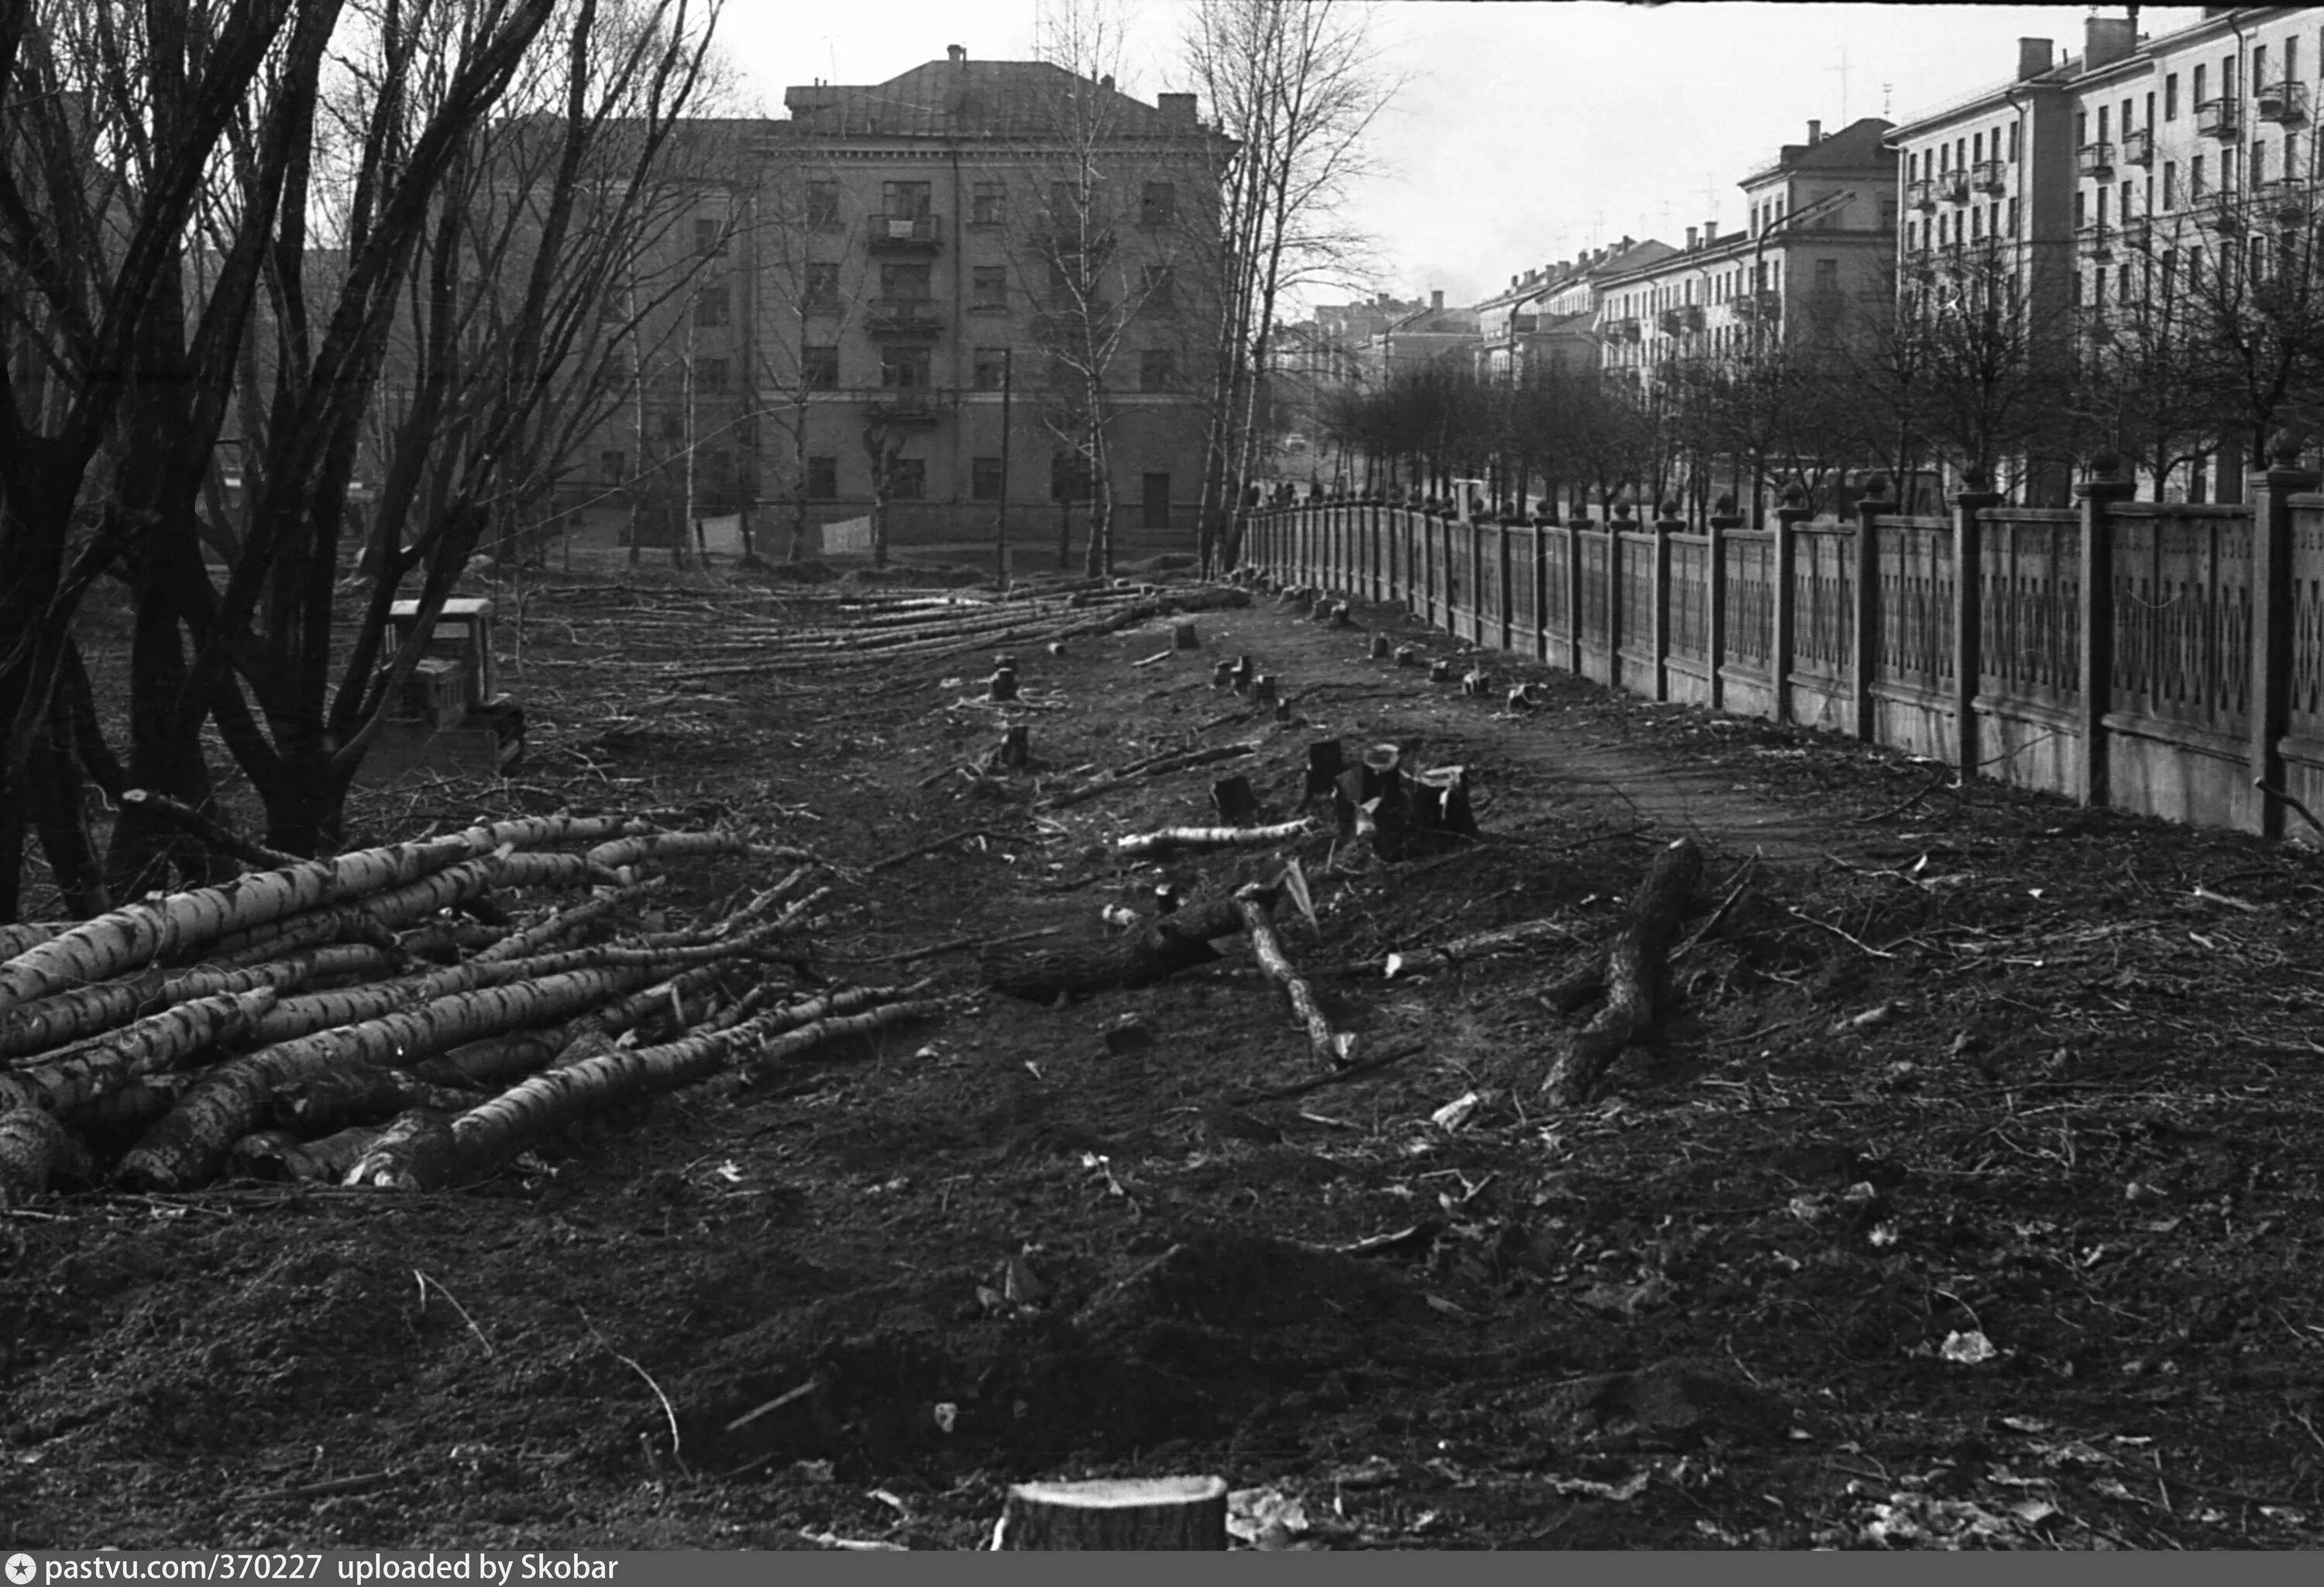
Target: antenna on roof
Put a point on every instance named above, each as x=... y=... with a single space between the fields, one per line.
x=1842 y=69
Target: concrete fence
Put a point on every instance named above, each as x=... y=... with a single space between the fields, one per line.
x=2155 y=656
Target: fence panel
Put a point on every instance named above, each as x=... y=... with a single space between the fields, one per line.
x=1593 y=567
x=2307 y=720
x=1916 y=602
x=2182 y=615
x=1690 y=596
x=1749 y=599
x=1525 y=617
x=1460 y=579
x=2029 y=605
x=1556 y=638
x=1637 y=594
x=1823 y=599
x=1485 y=585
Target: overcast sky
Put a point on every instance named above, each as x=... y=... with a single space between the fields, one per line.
x=1527 y=130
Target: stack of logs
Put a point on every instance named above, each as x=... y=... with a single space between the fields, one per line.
x=379 y=1017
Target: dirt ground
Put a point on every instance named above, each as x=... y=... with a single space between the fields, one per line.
x=1971 y=1199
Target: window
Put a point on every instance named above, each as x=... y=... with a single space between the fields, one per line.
x=2196 y=85
x=1157 y=370
x=2195 y=189
x=904 y=369
x=2103 y=119
x=2013 y=140
x=904 y=283
x=709 y=235
x=823 y=203
x=2170 y=98
x=2083 y=126
x=710 y=374
x=1158 y=204
x=904 y=200
x=1160 y=287
x=988 y=367
x=710 y=306
x=988 y=204
x=2259 y=164
x=612 y=467
x=2259 y=67
x=2291 y=60
x=819 y=368
x=907 y=479
x=822 y=286
x=2171 y=184
x=1827 y=275
x=823 y=479
x=1977 y=149
x=984 y=479
x=2228 y=170
x=989 y=286
x=2081 y=208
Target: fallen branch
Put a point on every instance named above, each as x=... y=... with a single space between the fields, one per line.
x=1253 y=904
x=1175 y=942
x=1171 y=840
x=1507 y=939
x=1637 y=969
x=209 y=833
x=945 y=842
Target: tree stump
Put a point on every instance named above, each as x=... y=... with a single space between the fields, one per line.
x=1336 y=615
x=1178 y=1514
x=1440 y=670
x=1408 y=656
x=1245 y=670
x=1441 y=799
x=1283 y=712
x=1235 y=802
x=1262 y=689
x=1378 y=650
x=1477 y=683
x=1005 y=662
x=1222 y=675
x=1326 y=759
x=1001 y=684
x=1014 y=753
x=1182 y=637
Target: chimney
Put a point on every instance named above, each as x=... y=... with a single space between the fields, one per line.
x=2106 y=40
x=1693 y=235
x=1106 y=81
x=1815 y=134
x=1436 y=302
x=2035 y=57
x=959 y=53
x=1177 y=109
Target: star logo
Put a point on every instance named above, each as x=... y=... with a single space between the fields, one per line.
x=22 y=1569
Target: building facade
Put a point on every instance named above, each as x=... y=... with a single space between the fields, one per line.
x=945 y=296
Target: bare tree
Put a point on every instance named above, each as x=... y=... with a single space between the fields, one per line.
x=1296 y=85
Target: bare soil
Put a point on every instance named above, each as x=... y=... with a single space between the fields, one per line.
x=1970 y=1200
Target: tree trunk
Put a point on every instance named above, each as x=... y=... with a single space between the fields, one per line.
x=1172 y=1513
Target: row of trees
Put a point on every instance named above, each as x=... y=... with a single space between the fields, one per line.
x=2179 y=345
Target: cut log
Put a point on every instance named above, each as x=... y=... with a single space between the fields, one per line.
x=1233 y=799
x=1483 y=945
x=1184 y=636
x=185 y=1148
x=1149 y=846
x=1637 y=969
x=30 y=934
x=1253 y=904
x=34 y=1151
x=1179 y=1514
x=47 y=1023
x=1144 y=771
x=447 y=942
x=74 y=1077
x=362 y=919
x=128 y=939
x=344 y=1097
x=496 y=1060
x=1178 y=941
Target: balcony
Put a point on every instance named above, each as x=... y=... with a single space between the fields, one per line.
x=1765 y=304
x=2287 y=199
x=914 y=408
x=2095 y=241
x=2217 y=118
x=1988 y=175
x=2138 y=234
x=1623 y=330
x=2095 y=159
x=1953 y=258
x=2138 y=147
x=903 y=319
x=1952 y=186
x=1921 y=194
x=2282 y=103
x=2225 y=214
x=1921 y=266
x=888 y=234
x=1679 y=321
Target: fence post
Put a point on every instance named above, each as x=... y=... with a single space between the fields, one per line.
x=1867 y=660
x=1509 y=597
x=1574 y=528
x=1715 y=610
x=1968 y=636
x=2271 y=632
x=1784 y=576
x=1544 y=524
x=1665 y=526
x=2095 y=693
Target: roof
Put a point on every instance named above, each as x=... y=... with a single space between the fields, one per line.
x=1853 y=147
x=974 y=98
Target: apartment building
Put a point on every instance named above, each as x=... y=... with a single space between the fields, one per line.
x=901 y=272
x=1547 y=318
x=1816 y=258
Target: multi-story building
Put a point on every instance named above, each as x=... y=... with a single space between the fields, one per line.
x=931 y=293
x=1427 y=336
x=1547 y=320
x=1817 y=257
